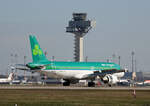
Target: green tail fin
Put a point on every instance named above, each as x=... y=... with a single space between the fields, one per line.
x=37 y=53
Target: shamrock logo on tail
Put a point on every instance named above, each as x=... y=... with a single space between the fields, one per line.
x=37 y=50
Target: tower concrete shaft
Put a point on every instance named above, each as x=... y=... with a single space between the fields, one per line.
x=78 y=49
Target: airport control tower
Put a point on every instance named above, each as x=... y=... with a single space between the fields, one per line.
x=79 y=26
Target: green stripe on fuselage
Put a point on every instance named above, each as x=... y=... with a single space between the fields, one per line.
x=56 y=65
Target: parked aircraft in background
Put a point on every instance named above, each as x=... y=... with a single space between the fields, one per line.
x=7 y=80
x=71 y=72
x=147 y=82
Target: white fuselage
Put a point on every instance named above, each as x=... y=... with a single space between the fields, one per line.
x=68 y=74
x=74 y=74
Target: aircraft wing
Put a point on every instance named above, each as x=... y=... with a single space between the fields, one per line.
x=102 y=73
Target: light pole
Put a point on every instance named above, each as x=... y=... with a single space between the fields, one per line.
x=16 y=57
x=25 y=64
x=133 y=71
x=53 y=58
x=113 y=57
x=86 y=58
x=132 y=54
x=107 y=60
x=11 y=58
x=45 y=53
x=119 y=57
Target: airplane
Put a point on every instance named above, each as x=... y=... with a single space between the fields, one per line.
x=7 y=80
x=70 y=72
x=147 y=82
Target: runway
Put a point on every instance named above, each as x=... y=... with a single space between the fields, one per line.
x=74 y=88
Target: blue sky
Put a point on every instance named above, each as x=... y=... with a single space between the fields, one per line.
x=122 y=26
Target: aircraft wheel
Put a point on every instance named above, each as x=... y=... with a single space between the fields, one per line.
x=67 y=83
x=91 y=84
x=109 y=85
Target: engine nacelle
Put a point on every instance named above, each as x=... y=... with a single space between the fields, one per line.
x=119 y=75
x=110 y=79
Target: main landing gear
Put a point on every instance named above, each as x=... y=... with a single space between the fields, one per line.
x=91 y=84
x=66 y=83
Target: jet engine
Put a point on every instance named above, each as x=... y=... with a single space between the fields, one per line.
x=110 y=79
